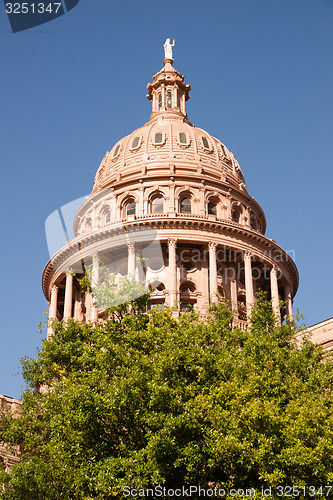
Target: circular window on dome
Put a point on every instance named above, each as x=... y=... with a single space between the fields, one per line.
x=136 y=142
x=155 y=263
x=187 y=266
x=116 y=151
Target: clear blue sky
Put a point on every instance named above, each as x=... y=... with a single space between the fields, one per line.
x=261 y=76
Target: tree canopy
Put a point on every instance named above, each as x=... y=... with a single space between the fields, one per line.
x=148 y=399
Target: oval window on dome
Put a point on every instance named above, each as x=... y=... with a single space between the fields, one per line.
x=183 y=138
x=158 y=138
x=136 y=142
x=116 y=151
x=205 y=142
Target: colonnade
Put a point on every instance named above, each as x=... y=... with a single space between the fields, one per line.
x=172 y=286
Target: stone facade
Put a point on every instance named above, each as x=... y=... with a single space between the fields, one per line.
x=322 y=333
x=9 y=455
x=186 y=185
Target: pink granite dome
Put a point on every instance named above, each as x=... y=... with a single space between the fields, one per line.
x=169 y=143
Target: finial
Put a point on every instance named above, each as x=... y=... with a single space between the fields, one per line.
x=168 y=48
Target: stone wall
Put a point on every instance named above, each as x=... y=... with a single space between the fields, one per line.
x=9 y=455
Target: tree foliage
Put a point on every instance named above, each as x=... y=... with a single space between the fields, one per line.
x=153 y=400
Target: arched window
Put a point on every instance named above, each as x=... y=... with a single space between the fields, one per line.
x=185 y=205
x=169 y=100
x=178 y=100
x=88 y=225
x=205 y=142
x=158 y=138
x=212 y=208
x=136 y=142
x=107 y=217
x=130 y=208
x=157 y=286
x=159 y=101
x=235 y=214
x=116 y=151
x=183 y=138
x=157 y=205
x=187 y=288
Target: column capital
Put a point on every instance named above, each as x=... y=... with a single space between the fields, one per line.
x=248 y=255
x=70 y=272
x=131 y=246
x=54 y=289
x=274 y=270
x=212 y=245
x=172 y=242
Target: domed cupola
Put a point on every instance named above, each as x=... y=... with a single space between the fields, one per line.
x=168 y=93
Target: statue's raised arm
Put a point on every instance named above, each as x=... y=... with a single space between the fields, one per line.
x=168 y=48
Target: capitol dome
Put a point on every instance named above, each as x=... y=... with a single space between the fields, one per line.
x=181 y=182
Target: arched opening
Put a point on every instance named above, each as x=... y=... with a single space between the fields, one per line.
x=159 y=98
x=236 y=214
x=157 y=205
x=107 y=216
x=88 y=224
x=185 y=205
x=242 y=307
x=130 y=208
x=212 y=208
x=169 y=99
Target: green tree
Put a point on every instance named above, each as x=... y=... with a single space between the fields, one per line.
x=153 y=400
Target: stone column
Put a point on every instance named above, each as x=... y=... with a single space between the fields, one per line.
x=248 y=282
x=52 y=309
x=212 y=272
x=172 y=245
x=88 y=299
x=234 y=296
x=163 y=97
x=289 y=301
x=94 y=281
x=202 y=201
x=275 y=295
x=68 y=295
x=77 y=305
x=228 y=203
x=131 y=259
x=140 y=204
x=172 y=208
